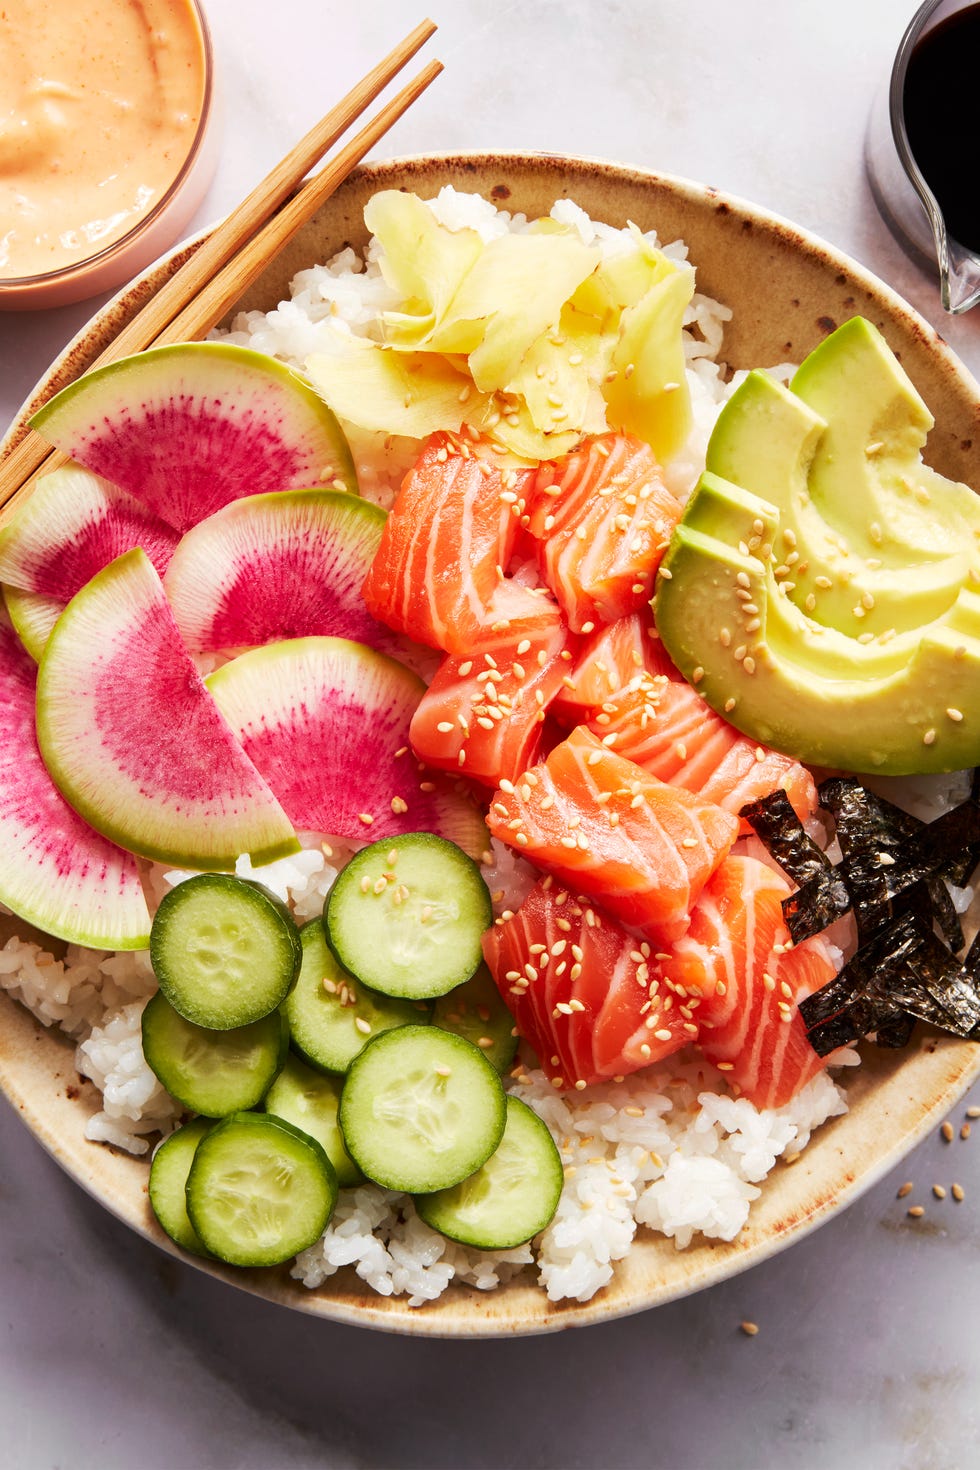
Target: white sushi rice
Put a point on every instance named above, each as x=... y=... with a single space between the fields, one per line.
x=668 y=1149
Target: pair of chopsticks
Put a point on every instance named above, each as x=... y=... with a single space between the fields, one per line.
x=198 y=295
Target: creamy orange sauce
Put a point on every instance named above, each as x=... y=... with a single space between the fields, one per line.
x=99 y=104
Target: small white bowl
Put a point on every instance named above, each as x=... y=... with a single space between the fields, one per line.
x=156 y=231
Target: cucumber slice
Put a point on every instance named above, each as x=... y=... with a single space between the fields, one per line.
x=421 y=1109
x=168 y=1181
x=310 y=1101
x=475 y=1010
x=511 y=1198
x=331 y=1017
x=406 y=917
x=259 y=1190
x=213 y=1072
x=225 y=951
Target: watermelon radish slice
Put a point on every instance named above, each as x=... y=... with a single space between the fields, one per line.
x=72 y=526
x=134 y=741
x=326 y=722
x=277 y=566
x=189 y=428
x=33 y=616
x=55 y=872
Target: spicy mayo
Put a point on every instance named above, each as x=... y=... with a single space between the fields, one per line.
x=100 y=104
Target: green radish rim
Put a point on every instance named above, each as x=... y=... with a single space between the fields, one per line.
x=49 y=419
x=33 y=615
x=130 y=588
x=338 y=532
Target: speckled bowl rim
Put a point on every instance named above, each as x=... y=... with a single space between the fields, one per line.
x=893 y=1107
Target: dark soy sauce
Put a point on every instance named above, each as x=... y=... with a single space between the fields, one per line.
x=942 y=119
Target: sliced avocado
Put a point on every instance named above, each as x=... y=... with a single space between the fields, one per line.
x=893 y=704
x=872 y=539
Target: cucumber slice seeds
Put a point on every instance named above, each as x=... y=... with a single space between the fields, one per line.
x=259 y=1190
x=310 y=1101
x=421 y=1109
x=168 y=1180
x=406 y=916
x=212 y=1072
x=475 y=1010
x=332 y=1016
x=225 y=950
x=511 y=1197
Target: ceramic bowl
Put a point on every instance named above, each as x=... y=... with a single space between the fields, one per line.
x=787 y=291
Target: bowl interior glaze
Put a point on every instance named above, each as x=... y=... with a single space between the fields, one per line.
x=787 y=291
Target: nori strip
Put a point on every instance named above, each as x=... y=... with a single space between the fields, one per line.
x=903 y=970
x=865 y=821
x=891 y=876
x=887 y=851
x=944 y=914
x=895 y=1034
x=773 y=819
x=821 y=897
x=816 y=905
x=971 y=960
x=960 y=869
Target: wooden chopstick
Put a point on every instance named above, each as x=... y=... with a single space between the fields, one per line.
x=176 y=298
x=211 y=303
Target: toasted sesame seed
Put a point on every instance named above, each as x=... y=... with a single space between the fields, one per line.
x=973 y=1112
x=939 y=1191
x=958 y=1193
x=905 y=1189
x=750 y=1329
x=947 y=1132
x=916 y=1211
x=965 y=1131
